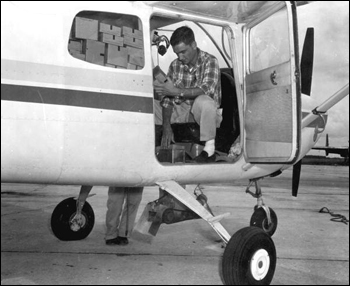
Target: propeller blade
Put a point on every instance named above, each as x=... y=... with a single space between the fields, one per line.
x=296 y=178
x=307 y=62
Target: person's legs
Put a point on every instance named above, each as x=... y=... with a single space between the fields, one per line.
x=204 y=111
x=133 y=200
x=206 y=114
x=114 y=209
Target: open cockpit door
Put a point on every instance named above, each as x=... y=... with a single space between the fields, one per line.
x=272 y=97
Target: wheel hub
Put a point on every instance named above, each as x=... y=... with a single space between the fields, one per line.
x=260 y=264
x=266 y=226
x=77 y=222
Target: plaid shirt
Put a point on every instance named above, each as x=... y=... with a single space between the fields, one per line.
x=204 y=75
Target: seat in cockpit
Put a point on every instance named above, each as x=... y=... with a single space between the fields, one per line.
x=229 y=128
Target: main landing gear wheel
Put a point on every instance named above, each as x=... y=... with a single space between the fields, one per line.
x=249 y=258
x=67 y=226
x=259 y=219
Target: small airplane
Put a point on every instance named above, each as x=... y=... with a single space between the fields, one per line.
x=342 y=151
x=78 y=105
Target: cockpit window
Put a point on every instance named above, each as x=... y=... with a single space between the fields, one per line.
x=107 y=39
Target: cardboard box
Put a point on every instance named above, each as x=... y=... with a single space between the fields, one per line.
x=111 y=39
x=110 y=29
x=78 y=55
x=86 y=28
x=76 y=46
x=133 y=42
x=136 y=60
x=175 y=154
x=136 y=56
x=159 y=75
x=132 y=33
x=131 y=66
x=110 y=66
x=135 y=51
x=95 y=52
x=117 y=56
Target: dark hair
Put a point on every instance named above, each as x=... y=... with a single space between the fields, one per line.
x=183 y=34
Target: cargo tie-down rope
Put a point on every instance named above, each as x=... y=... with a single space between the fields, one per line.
x=337 y=217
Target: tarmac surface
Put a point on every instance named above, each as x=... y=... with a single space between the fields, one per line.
x=311 y=249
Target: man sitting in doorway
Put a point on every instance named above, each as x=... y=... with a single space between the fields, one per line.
x=192 y=92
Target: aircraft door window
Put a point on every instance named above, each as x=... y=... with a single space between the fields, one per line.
x=107 y=39
x=269 y=45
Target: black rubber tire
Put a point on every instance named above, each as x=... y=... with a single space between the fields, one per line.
x=259 y=219
x=238 y=254
x=63 y=213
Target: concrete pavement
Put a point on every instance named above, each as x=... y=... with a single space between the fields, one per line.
x=311 y=249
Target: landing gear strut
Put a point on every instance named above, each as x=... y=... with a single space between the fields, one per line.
x=250 y=255
x=263 y=216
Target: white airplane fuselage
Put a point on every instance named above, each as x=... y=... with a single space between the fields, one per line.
x=65 y=121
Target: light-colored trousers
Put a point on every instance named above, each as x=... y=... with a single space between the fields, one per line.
x=122 y=206
x=204 y=111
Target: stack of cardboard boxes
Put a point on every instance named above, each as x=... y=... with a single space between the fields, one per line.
x=107 y=45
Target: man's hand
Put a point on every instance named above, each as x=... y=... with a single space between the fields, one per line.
x=168 y=136
x=166 y=89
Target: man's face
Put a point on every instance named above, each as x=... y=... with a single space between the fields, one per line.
x=186 y=53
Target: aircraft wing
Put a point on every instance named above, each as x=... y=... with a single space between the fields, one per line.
x=233 y=11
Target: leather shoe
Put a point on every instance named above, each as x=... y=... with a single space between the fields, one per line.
x=203 y=157
x=117 y=241
x=123 y=240
x=113 y=241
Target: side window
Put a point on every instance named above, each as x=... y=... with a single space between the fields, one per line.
x=269 y=42
x=107 y=39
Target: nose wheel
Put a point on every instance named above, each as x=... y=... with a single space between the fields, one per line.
x=263 y=216
x=260 y=219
